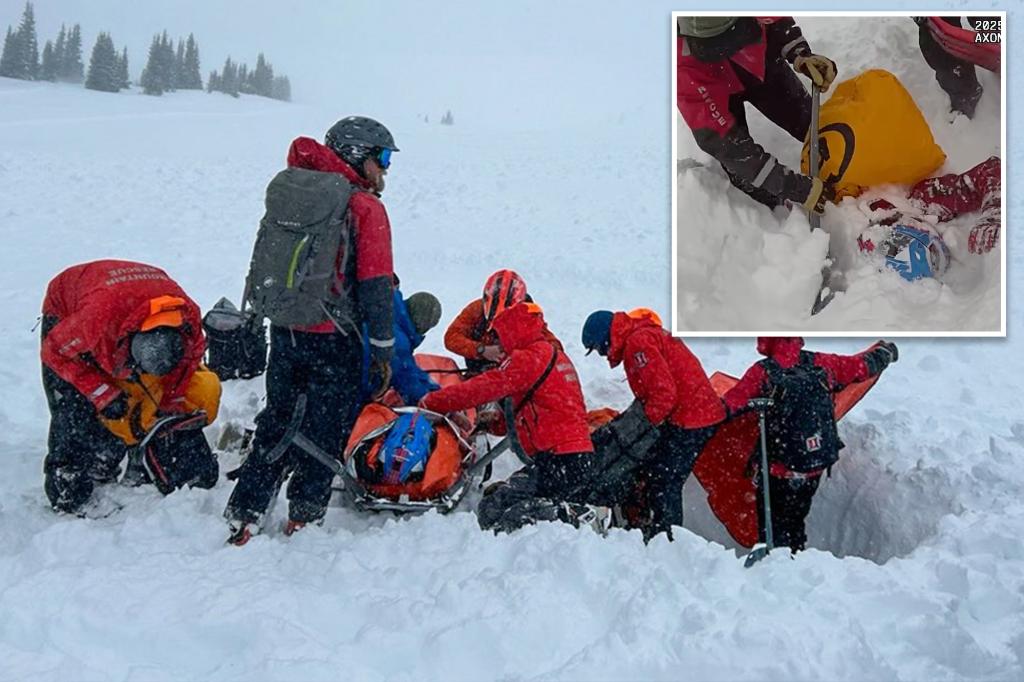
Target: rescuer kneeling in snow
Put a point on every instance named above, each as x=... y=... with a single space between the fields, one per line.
x=677 y=398
x=121 y=347
x=550 y=423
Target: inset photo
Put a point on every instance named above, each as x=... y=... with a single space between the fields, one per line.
x=838 y=174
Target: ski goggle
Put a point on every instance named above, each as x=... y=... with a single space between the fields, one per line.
x=383 y=158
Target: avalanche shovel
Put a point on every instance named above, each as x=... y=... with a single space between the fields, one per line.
x=761 y=550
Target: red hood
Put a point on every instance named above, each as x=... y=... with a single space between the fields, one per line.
x=306 y=152
x=518 y=327
x=783 y=349
x=622 y=326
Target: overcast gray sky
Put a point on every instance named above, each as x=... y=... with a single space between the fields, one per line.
x=512 y=64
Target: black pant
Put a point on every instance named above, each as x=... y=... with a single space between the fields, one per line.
x=956 y=76
x=791 y=503
x=782 y=99
x=327 y=369
x=81 y=451
x=663 y=477
x=534 y=493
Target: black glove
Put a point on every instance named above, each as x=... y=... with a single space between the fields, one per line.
x=881 y=356
x=380 y=377
x=116 y=408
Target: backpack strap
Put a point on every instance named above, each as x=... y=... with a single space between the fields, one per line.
x=773 y=370
x=543 y=377
x=510 y=410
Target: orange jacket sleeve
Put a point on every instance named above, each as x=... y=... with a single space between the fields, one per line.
x=459 y=337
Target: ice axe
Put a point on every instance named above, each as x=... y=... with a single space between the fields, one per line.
x=761 y=550
x=814 y=218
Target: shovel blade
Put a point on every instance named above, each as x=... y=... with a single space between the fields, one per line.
x=759 y=552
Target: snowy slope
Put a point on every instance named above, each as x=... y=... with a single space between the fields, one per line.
x=741 y=268
x=918 y=571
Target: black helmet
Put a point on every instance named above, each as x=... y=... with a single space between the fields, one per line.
x=158 y=350
x=359 y=131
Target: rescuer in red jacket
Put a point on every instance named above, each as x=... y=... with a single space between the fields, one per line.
x=724 y=62
x=105 y=324
x=550 y=422
x=676 y=396
x=792 y=491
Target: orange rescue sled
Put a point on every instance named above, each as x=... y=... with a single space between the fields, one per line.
x=444 y=478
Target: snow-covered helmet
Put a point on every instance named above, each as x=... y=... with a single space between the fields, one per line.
x=356 y=138
x=157 y=351
x=359 y=131
x=912 y=252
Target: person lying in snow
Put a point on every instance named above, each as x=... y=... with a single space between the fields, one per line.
x=677 y=398
x=550 y=423
x=121 y=346
x=470 y=334
x=801 y=430
x=909 y=240
x=725 y=62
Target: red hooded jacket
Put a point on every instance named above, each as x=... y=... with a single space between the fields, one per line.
x=664 y=375
x=98 y=306
x=371 y=237
x=785 y=350
x=554 y=419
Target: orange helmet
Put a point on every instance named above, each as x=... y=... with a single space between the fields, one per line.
x=503 y=289
x=645 y=314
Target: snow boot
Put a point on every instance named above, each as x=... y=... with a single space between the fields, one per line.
x=293 y=527
x=241 y=532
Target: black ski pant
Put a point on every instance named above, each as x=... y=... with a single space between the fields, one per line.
x=791 y=503
x=327 y=369
x=956 y=76
x=81 y=451
x=534 y=493
x=676 y=452
x=782 y=99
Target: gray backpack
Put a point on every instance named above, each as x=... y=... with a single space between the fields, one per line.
x=292 y=273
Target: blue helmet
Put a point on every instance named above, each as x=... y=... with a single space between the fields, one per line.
x=404 y=453
x=597 y=332
x=915 y=253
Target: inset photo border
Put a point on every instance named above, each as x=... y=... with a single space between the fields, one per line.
x=901 y=231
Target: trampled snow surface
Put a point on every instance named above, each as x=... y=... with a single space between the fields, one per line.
x=917 y=570
x=742 y=267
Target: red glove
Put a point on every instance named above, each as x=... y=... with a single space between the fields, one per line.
x=983 y=237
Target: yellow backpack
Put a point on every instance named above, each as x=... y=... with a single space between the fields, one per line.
x=873 y=134
x=203 y=393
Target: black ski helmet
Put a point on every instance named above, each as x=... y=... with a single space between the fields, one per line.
x=359 y=131
x=158 y=350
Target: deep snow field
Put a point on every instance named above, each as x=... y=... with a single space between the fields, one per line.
x=742 y=267
x=917 y=566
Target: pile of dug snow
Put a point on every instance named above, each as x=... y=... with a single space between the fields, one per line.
x=916 y=569
x=742 y=267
